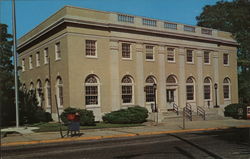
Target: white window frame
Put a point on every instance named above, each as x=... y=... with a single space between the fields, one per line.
x=58 y=93
x=46 y=55
x=98 y=93
x=173 y=54
x=91 y=56
x=39 y=98
x=130 y=51
x=153 y=52
x=210 y=88
x=30 y=62
x=47 y=92
x=190 y=62
x=194 y=93
x=150 y=84
x=209 y=59
x=229 y=88
x=58 y=51
x=227 y=59
x=38 y=59
x=128 y=84
x=23 y=64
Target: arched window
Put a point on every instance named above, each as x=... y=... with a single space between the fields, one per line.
x=149 y=89
x=226 y=88
x=92 y=87
x=48 y=93
x=207 y=88
x=190 y=88
x=171 y=80
x=127 y=90
x=39 y=92
x=24 y=89
x=59 y=91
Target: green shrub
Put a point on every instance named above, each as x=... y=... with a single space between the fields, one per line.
x=131 y=115
x=87 y=117
x=232 y=110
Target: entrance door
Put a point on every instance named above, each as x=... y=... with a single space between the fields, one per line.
x=170 y=98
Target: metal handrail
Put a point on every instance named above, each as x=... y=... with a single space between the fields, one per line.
x=201 y=112
x=176 y=108
x=188 y=111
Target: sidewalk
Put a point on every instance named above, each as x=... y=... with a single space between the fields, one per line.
x=28 y=137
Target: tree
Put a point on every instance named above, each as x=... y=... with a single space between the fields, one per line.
x=233 y=17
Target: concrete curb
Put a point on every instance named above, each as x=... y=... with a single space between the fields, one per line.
x=115 y=136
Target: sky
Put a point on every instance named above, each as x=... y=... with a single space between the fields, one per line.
x=30 y=13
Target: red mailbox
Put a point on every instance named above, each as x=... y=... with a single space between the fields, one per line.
x=71 y=116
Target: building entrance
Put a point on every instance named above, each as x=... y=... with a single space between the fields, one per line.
x=171 y=99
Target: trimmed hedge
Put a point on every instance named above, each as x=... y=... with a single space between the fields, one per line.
x=131 y=115
x=232 y=110
x=87 y=117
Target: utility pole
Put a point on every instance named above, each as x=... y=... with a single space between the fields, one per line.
x=15 y=60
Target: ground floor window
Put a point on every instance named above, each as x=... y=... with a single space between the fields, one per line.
x=91 y=90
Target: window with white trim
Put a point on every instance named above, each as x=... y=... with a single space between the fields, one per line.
x=127 y=90
x=149 y=52
x=23 y=64
x=190 y=56
x=190 y=89
x=30 y=62
x=92 y=90
x=126 y=51
x=170 y=25
x=58 y=50
x=207 y=88
x=46 y=55
x=91 y=48
x=171 y=54
x=37 y=59
x=149 y=89
x=226 y=59
x=149 y=22
x=226 y=88
x=59 y=91
x=39 y=92
x=189 y=28
x=48 y=93
x=206 y=57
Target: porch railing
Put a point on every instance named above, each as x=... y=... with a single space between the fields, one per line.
x=201 y=112
x=188 y=111
x=176 y=108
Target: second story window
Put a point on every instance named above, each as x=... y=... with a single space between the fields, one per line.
x=207 y=57
x=190 y=56
x=125 y=18
x=170 y=55
x=170 y=25
x=38 y=59
x=30 y=62
x=58 y=51
x=46 y=55
x=225 y=59
x=91 y=48
x=149 y=52
x=189 y=28
x=126 y=51
x=149 y=22
x=23 y=64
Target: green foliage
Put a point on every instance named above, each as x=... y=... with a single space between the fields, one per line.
x=234 y=17
x=130 y=115
x=87 y=117
x=232 y=110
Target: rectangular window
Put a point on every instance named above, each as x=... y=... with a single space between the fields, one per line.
x=207 y=92
x=170 y=26
x=149 y=22
x=125 y=18
x=61 y=95
x=189 y=28
x=38 y=59
x=206 y=57
x=91 y=95
x=126 y=51
x=149 y=52
x=225 y=59
x=170 y=54
x=190 y=92
x=226 y=91
x=23 y=64
x=58 y=51
x=91 y=48
x=150 y=96
x=127 y=94
x=30 y=62
x=49 y=96
x=190 y=56
x=206 y=31
x=46 y=55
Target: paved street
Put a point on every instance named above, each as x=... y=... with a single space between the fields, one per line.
x=229 y=143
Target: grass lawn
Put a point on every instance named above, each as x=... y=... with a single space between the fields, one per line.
x=48 y=127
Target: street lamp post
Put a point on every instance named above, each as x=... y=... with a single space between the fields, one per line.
x=156 y=108
x=215 y=88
